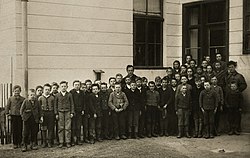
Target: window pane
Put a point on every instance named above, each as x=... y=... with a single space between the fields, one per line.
x=140 y=5
x=248 y=23
x=194 y=38
x=154 y=6
x=248 y=5
x=216 y=12
x=140 y=30
x=247 y=42
x=154 y=32
x=139 y=55
x=194 y=16
x=217 y=37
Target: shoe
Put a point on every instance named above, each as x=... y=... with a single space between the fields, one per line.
x=206 y=136
x=199 y=135
x=195 y=135
x=33 y=146
x=86 y=141
x=109 y=138
x=161 y=134
x=149 y=135
x=129 y=136
x=15 y=146
x=68 y=145
x=24 y=148
x=43 y=145
x=211 y=136
x=92 y=141
x=231 y=133
x=187 y=135
x=117 y=138
x=99 y=139
x=236 y=132
x=123 y=137
x=136 y=136
x=166 y=134
x=141 y=136
x=49 y=145
x=60 y=145
x=73 y=144
x=154 y=135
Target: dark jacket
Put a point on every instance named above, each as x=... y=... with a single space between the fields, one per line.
x=152 y=98
x=195 y=98
x=164 y=96
x=104 y=96
x=238 y=78
x=208 y=99
x=171 y=101
x=46 y=103
x=78 y=99
x=234 y=99
x=183 y=102
x=28 y=109
x=64 y=103
x=143 y=91
x=134 y=99
x=14 y=105
x=94 y=105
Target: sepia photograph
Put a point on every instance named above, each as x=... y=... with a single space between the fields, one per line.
x=125 y=78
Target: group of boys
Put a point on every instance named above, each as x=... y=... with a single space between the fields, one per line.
x=130 y=107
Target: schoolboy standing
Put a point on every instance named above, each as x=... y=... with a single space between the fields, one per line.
x=95 y=114
x=208 y=102
x=134 y=107
x=106 y=111
x=78 y=98
x=165 y=97
x=183 y=109
x=233 y=101
x=118 y=103
x=64 y=111
x=30 y=112
x=13 y=112
x=220 y=95
x=152 y=107
x=196 y=109
x=142 y=89
x=46 y=102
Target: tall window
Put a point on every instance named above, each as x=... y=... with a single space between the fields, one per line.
x=205 y=29
x=246 y=27
x=147 y=33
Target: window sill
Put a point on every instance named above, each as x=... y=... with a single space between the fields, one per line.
x=149 y=67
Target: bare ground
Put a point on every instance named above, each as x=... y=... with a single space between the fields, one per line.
x=234 y=146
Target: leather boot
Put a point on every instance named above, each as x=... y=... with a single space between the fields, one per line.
x=207 y=132
x=180 y=130
x=200 y=129
x=211 y=131
x=44 y=133
x=187 y=132
x=196 y=126
x=149 y=132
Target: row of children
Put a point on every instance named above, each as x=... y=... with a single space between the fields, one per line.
x=128 y=108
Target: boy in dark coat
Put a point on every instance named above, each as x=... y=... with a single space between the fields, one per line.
x=95 y=114
x=78 y=98
x=183 y=109
x=208 y=102
x=106 y=111
x=64 y=111
x=30 y=112
x=142 y=119
x=165 y=97
x=46 y=102
x=13 y=112
x=233 y=101
x=134 y=107
x=196 y=109
x=152 y=108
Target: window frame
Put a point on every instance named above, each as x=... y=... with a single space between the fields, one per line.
x=246 y=33
x=148 y=18
x=203 y=28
